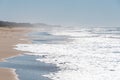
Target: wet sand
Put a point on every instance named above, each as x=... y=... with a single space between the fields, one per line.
x=9 y=37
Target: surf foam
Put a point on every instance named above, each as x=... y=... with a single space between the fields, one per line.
x=88 y=57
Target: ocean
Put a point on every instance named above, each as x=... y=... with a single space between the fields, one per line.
x=69 y=53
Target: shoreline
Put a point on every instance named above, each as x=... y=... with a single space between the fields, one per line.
x=9 y=37
x=11 y=74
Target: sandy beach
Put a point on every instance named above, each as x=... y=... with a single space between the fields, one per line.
x=9 y=37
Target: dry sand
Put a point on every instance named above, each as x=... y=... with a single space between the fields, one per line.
x=9 y=37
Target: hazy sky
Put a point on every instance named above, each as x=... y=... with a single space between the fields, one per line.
x=64 y=12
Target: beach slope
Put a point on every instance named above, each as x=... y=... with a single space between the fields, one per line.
x=9 y=37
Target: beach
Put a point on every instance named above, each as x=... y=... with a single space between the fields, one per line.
x=60 y=53
x=9 y=37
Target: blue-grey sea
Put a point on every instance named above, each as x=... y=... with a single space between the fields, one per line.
x=69 y=53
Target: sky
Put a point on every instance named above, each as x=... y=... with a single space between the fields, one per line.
x=62 y=12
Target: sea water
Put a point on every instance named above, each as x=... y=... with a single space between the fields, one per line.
x=80 y=53
x=27 y=68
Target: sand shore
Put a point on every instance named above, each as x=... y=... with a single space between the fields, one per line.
x=9 y=37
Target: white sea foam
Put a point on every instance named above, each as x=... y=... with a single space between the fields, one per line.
x=88 y=57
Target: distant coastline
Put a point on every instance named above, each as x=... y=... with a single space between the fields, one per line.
x=14 y=24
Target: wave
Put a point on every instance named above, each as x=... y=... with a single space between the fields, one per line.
x=89 y=56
